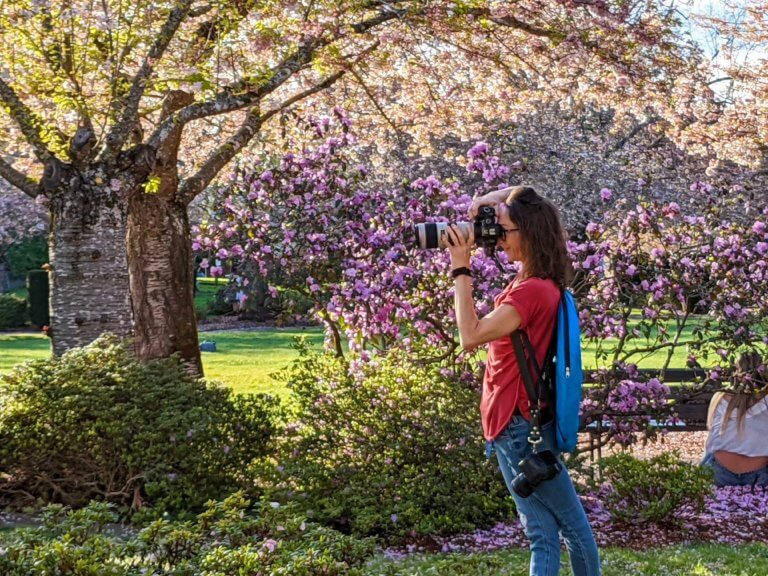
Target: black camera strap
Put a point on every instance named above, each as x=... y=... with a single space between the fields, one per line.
x=522 y=344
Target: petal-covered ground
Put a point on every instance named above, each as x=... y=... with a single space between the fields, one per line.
x=731 y=515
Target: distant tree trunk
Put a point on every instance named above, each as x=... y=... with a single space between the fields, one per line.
x=90 y=292
x=162 y=279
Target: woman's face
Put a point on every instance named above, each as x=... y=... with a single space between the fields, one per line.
x=512 y=243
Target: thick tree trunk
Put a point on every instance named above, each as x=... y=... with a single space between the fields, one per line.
x=162 y=279
x=89 y=285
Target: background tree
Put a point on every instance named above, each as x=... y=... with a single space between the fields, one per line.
x=727 y=120
x=20 y=221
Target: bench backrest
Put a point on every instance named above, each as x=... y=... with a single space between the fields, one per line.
x=691 y=403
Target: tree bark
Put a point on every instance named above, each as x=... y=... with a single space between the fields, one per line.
x=162 y=279
x=90 y=292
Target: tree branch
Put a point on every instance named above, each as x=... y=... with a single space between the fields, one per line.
x=376 y=104
x=226 y=101
x=632 y=133
x=31 y=125
x=59 y=58
x=120 y=131
x=512 y=22
x=21 y=181
x=245 y=94
x=253 y=122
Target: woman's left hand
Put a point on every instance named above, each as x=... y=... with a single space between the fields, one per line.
x=459 y=247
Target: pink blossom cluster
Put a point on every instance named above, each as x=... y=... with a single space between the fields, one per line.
x=315 y=223
x=650 y=279
x=648 y=274
x=625 y=405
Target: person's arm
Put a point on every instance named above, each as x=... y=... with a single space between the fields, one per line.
x=474 y=332
x=492 y=198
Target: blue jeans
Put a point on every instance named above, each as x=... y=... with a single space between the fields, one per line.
x=724 y=477
x=553 y=509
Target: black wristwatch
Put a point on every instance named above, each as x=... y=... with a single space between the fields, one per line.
x=463 y=271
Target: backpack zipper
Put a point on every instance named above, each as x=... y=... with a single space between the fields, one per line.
x=567 y=341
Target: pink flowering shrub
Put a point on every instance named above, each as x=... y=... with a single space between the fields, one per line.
x=626 y=404
x=650 y=279
x=314 y=222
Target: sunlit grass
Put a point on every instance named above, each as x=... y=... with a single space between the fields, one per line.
x=20 y=347
x=243 y=360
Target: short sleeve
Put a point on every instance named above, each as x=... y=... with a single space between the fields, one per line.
x=525 y=298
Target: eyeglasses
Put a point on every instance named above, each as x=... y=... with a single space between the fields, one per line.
x=510 y=229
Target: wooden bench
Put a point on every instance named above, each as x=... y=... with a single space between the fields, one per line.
x=691 y=404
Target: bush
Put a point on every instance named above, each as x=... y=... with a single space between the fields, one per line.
x=228 y=539
x=13 y=311
x=386 y=447
x=39 y=306
x=221 y=303
x=28 y=254
x=97 y=424
x=654 y=489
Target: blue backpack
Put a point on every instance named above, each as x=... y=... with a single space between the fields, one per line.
x=560 y=378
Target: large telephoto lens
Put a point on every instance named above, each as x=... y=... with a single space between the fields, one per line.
x=435 y=234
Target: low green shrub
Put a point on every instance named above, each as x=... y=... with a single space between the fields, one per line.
x=97 y=424
x=13 y=311
x=654 y=489
x=387 y=447
x=229 y=538
x=221 y=302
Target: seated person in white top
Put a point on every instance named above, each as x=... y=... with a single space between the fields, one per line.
x=737 y=445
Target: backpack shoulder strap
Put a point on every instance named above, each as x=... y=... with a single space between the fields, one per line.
x=520 y=341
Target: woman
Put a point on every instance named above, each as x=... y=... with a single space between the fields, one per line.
x=534 y=237
x=738 y=426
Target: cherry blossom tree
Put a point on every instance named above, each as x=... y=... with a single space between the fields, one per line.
x=725 y=118
x=119 y=114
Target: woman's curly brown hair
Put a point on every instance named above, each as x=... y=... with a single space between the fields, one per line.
x=542 y=235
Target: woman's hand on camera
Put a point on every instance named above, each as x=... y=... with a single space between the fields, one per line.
x=491 y=199
x=459 y=247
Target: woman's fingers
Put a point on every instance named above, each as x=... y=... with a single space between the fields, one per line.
x=456 y=235
x=490 y=199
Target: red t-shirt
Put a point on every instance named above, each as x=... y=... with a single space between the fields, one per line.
x=536 y=300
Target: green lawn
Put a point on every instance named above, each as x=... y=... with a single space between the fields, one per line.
x=243 y=360
x=206 y=290
x=689 y=560
x=20 y=347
